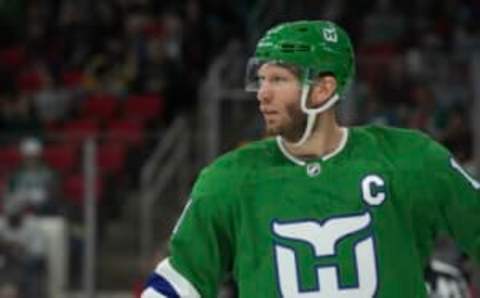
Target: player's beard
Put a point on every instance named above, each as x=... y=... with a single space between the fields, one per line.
x=292 y=129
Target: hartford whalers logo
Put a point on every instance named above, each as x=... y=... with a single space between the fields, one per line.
x=330 y=34
x=324 y=239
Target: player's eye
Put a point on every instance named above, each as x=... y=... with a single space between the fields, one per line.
x=278 y=79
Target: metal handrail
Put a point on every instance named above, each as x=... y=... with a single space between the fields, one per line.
x=148 y=170
x=157 y=173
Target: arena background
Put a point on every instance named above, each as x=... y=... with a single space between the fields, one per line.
x=125 y=100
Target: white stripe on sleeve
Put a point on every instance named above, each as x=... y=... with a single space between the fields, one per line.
x=151 y=293
x=181 y=285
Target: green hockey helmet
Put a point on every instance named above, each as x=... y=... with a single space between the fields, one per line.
x=315 y=47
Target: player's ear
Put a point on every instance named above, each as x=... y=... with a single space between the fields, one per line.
x=323 y=88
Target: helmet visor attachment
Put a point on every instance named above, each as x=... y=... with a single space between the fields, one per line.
x=252 y=79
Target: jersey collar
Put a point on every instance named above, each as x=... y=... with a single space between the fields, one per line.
x=297 y=161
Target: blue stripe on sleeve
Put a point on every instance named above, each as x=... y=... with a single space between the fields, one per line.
x=161 y=285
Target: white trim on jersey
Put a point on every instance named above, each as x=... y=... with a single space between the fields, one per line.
x=181 y=285
x=297 y=161
x=287 y=154
x=343 y=143
x=151 y=293
x=446 y=268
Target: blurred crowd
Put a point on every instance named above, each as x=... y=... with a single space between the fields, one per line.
x=116 y=70
x=57 y=52
x=72 y=69
x=415 y=67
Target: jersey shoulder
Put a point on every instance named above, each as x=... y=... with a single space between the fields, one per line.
x=248 y=155
x=229 y=170
x=402 y=145
x=393 y=137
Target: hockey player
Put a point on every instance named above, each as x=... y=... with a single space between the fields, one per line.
x=317 y=210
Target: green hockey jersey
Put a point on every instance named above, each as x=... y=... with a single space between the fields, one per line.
x=360 y=222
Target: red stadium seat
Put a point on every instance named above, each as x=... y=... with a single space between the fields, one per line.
x=30 y=81
x=79 y=129
x=53 y=128
x=13 y=57
x=111 y=158
x=62 y=157
x=10 y=158
x=143 y=107
x=72 y=78
x=126 y=131
x=100 y=106
x=4 y=181
x=74 y=188
x=154 y=30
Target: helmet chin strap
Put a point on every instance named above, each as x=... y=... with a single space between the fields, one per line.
x=312 y=113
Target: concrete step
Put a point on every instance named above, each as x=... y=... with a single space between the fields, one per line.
x=118 y=272
x=121 y=237
x=118 y=260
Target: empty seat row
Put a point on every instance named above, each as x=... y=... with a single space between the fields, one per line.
x=141 y=108
x=67 y=157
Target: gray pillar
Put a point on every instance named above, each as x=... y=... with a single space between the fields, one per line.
x=475 y=72
x=90 y=218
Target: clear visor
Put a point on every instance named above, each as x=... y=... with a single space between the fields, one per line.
x=252 y=81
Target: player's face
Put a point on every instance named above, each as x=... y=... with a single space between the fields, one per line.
x=279 y=97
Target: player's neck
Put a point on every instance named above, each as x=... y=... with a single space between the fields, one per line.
x=325 y=139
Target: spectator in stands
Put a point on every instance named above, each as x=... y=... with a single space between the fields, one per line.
x=195 y=40
x=17 y=118
x=162 y=73
x=34 y=183
x=23 y=250
x=467 y=37
x=383 y=27
x=52 y=102
x=456 y=134
x=425 y=110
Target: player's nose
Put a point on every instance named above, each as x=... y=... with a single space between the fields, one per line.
x=264 y=93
